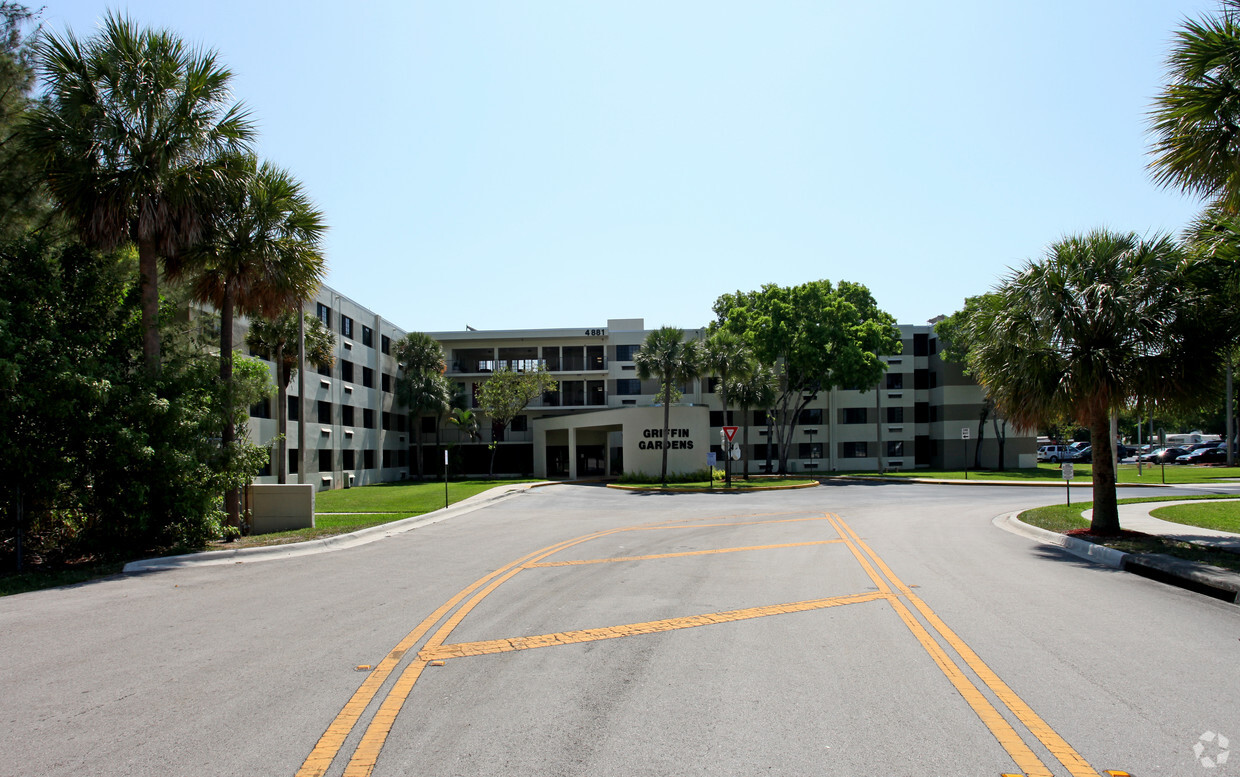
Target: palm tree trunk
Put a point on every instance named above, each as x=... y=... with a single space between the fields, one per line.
x=981 y=436
x=148 y=274
x=727 y=444
x=1106 y=509
x=228 y=436
x=667 y=423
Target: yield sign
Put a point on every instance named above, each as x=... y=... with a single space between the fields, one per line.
x=730 y=432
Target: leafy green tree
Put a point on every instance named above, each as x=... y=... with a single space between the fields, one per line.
x=260 y=256
x=759 y=389
x=726 y=355
x=420 y=385
x=668 y=356
x=276 y=340
x=505 y=394
x=1103 y=320
x=23 y=204
x=816 y=336
x=136 y=138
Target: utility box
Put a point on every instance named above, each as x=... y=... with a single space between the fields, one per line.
x=274 y=507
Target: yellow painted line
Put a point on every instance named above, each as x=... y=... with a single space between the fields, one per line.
x=489 y=647
x=670 y=526
x=328 y=746
x=712 y=551
x=1058 y=747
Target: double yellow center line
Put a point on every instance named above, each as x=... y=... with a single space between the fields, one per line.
x=890 y=589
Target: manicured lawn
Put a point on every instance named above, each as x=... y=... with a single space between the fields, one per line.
x=1221 y=516
x=737 y=484
x=1082 y=473
x=407 y=498
x=324 y=526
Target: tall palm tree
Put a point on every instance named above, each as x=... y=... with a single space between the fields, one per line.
x=759 y=389
x=276 y=339
x=1196 y=118
x=1104 y=319
x=260 y=257
x=728 y=356
x=136 y=138
x=666 y=355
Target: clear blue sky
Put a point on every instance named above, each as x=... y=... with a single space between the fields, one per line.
x=553 y=164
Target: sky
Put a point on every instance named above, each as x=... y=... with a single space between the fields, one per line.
x=516 y=165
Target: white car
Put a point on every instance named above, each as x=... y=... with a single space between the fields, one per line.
x=1055 y=453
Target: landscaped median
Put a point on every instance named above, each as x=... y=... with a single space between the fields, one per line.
x=1052 y=474
x=717 y=486
x=1190 y=565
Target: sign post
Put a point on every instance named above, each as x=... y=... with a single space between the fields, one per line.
x=964 y=440
x=1067 y=480
x=445 y=478
x=729 y=432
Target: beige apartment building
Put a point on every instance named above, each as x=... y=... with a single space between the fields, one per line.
x=603 y=421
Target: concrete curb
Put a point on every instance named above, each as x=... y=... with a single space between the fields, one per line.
x=720 y=490
x=1212 y=581
x=326 y=544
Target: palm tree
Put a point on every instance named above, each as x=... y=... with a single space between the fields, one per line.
x=1196 y=118
x=1104 y=319
x=260 y=256
x=759 y=389
x=276 y=340
x=136 y=140
x=421 y=386
x=666 y=355
x=728 y=356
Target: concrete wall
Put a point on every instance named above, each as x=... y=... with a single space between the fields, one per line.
x=275 y=507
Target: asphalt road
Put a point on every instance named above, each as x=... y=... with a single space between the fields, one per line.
x=575 y=630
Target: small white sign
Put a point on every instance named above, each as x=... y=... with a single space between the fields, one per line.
x=710 y=459
x=1067 y=471
x=964 y=433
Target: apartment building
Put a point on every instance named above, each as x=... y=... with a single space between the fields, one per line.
x=603 y=421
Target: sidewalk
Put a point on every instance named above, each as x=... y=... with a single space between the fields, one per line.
x=1136 y=517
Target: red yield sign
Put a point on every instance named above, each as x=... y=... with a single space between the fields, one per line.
x=730 y=432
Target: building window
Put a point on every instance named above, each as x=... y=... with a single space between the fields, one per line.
x=386 y=380
x=294 y=406
x=324 y=313
x=921 y=380
x=895 y=415
x=347 y=454
x=368 y=459
x=294 y=456
x=716 y=418
x=624 y=353
x=429 y=422
x=759 y=418
x=261 y=409
x=325 y=412
x=852 y=450
x=895 y=447
x=811 y=417
x=368 y=377
x=346 y=326
x=368 y=336
x=921 y=413
x=346 y=371
x=368 y=418
x=387 y=421
x=809 y=450
x=402 y=457
x=628 y=386
x=895 y=381
x=325 y=370
x=346 y=418
x=385 y=343
x=712 y=385
x=921 y=345
x=402 y=424
x=325 y=460
x=852 y=415
x=521 y=423
x=387 y=458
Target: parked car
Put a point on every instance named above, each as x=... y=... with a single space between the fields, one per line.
x=1054 y=453
x=1211 y=455
x=1083 y=455
x=1163 y=455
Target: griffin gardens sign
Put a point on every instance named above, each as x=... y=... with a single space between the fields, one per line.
x=677 y=439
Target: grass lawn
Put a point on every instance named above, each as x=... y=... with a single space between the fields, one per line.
x=1082 y=473
x=408 y=498
x=1064 y=518
x=738 y=484
x=1221 y=516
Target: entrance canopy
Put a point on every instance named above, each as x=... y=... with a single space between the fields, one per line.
x=634 y=432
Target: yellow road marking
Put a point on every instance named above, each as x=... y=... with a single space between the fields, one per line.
x=1058 y=747
x=328 y=746
x=488 y=647
x=713 y=551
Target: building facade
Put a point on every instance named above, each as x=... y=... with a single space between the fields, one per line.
x=602 y=420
